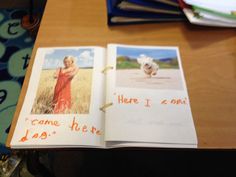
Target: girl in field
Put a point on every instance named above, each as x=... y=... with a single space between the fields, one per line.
x=62 y=91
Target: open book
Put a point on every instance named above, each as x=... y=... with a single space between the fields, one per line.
x=122 y=96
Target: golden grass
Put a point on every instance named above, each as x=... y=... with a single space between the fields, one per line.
x=80 y=90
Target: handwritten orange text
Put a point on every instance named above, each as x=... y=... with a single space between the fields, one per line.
x=175 y=101
x=35 y=135
x=45 y=122
x=124 y=100
x=147 y=103
x=75 y=126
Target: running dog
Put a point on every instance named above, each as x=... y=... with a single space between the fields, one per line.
x=148 y=66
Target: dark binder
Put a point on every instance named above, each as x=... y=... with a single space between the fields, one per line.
x=155 y=5
x=119 y=16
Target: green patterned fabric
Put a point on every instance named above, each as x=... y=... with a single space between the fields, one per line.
x=15 y=50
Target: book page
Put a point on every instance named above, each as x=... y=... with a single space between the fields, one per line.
x=205 y=21
x=228 y=7
x=149 y=98
x=61 y=106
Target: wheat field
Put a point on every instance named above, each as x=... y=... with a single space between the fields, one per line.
x=80 y=90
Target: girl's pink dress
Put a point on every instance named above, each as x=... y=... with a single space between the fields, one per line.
x=62 y=93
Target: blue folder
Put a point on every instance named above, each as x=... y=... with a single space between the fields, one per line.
x=132 y=17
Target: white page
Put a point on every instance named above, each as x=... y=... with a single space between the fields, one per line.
x=83 y=125
x=214 y=17
x=115 y=144
x=228 y=6
x=204 y=21
x=161 y=120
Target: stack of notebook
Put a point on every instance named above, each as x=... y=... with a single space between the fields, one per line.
x=210 y=12
x=142 y=11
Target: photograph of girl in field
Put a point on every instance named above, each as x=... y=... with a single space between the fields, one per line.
x=148 y=68
x=62 y=91
x=65 y=82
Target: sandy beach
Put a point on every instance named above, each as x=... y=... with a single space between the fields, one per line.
x=135 y=78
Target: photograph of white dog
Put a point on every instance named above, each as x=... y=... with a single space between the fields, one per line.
x=148 y=68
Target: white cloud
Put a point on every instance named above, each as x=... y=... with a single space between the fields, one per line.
x=85 y=59
x=51 y=63
x=49 y=51
x=85 y=55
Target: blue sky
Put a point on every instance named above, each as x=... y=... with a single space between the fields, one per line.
x=154 y=53
x=54 y=58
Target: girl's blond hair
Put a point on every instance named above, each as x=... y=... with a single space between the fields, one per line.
x=71 y=58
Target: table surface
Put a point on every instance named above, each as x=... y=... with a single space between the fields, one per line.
x=208 y=58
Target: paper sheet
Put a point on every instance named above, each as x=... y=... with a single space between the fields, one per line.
x=82 y=124
x=147 y=109
x=228 y=6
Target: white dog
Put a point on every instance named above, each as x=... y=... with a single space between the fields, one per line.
x=148 y=65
